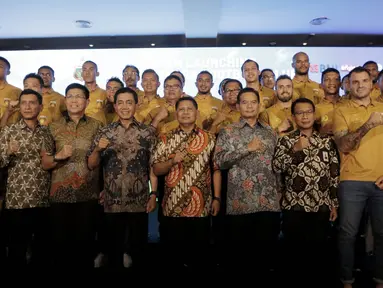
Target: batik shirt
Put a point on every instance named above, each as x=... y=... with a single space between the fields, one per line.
x=188 y=184
x=252 y=184
x=311 y=175
x=126 y=165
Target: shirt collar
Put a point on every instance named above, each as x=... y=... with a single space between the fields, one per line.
x=3 y=86
x=49 y=91
x=227 y=108
x=133 y=123
x=92 y=90
x=242 y=123
x=22 y=125
x=354 y=104
x=68 y=119
x=297 y=133
x=204 y=96
x=195 y=130
x=302 y=81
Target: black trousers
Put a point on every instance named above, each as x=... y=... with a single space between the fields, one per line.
x=218 y=224
x=186 y=241
x=101 y=231
x=305 y=243
x=74 y=233
x=126 y=233
x=252 y=241
x=28 y=228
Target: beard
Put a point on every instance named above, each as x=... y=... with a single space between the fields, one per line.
x=301 y=73
x=285 y=99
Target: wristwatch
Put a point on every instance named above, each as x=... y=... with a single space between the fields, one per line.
x=154 y=193
x=217 y=198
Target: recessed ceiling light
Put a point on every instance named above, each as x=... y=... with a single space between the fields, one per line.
x=319 y=20
x=244 y=44
x=304 y=43
x=153 y=44
x=83 y=24
x=90 y=45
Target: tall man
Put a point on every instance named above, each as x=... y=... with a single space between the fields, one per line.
x=325 y=109
x=358 y=131
x=304 y=87
x=279 y=115
x=97 y=96
x=8 y=92
x=124 y=149
x=310 y=167
x=75 y=189
x=250 y=72
x=54 y=102
x=246 y=148
x=28 y=184
x=184 y=156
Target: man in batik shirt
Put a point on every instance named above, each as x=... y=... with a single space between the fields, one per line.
x=28 y=184
x=75 y=189
x=310 y=167
x=124 y=148
x=184 y=156
x=246 y=148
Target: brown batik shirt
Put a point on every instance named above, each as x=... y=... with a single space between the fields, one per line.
x=126 y=165
x=28 y=184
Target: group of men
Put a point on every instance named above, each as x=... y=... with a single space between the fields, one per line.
x=278 y=145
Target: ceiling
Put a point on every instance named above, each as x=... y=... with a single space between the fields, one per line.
x=188 y=23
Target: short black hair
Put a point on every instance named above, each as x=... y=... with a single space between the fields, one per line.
x=133 y=67
x=126 y=90
x=330 y=70
x=283 y=77
x=232 y=81
x=206 y=72
x=248 y=61
x=6 y=62
x=33 y=92
x=359 y=69
x=187 y=98
x=78 y=86
x=265 y=70
x=369 y=63
x=301 y=100
x=150 y=71
x=345 y=77
x=115 y=79
x=91 y=62
x=182 y=76
x=247 y=90
x=35 y=76
x=175 y=77
x=48 y=68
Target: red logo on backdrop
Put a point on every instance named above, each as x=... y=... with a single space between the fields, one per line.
x=314 y=68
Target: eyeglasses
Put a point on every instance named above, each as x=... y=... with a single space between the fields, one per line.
x=72 y=97
x=172 y=87
x=232 y=90
x=301 y=113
